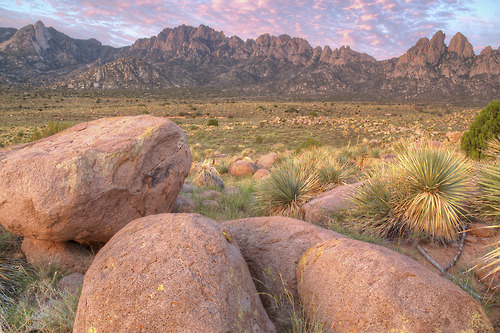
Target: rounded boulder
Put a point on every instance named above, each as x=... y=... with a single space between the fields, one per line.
x=352 y=286
x=242 y=168
x=87 y=182
x=272 y=247
x=170 y=273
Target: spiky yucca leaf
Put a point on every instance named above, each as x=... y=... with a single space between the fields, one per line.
x=436 y=185
x=424 y=191
x=288 y=186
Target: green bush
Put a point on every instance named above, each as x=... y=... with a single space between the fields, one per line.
x=212 y=122
x=308 y=144
x=485 y=127
x=49 y=130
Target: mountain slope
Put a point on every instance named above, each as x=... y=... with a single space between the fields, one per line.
x=269 y=65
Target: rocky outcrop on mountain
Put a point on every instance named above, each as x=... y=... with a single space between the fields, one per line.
x=121 y=73
x=35 y=49
x=6 y=33
x=187 y=56
x=461 y=46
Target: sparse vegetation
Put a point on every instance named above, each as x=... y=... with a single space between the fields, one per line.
x=333 y=143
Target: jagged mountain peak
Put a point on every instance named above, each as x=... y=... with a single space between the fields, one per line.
x=461 y=46
x=202 y=56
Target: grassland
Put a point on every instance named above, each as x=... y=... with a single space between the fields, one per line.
x=260 y=124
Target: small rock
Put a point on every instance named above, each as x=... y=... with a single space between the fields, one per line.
x=242 y=168
x=261 y=173
x=267 y=161
x=69 y=255
x=183 y=205
x=210 y=204
x=209 y=195
x=71 y=284
x=231 y=191
x=188 y=189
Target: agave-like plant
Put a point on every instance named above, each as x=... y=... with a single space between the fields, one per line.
x=288 y=186
x=334 y=173
x=425 y=191
x=436 y=186
x=489 y=184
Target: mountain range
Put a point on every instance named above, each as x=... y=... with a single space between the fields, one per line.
x=187 y=56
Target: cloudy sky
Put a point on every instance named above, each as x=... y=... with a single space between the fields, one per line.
x=381 y=28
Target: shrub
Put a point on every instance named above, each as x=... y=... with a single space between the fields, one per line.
x=259 y=139
x=50 y=129
x=288 y=186
x=212 y=122
x=486 y=126
x=308 y=144
x=425 y=191
x=207 y=175
x=334 y=173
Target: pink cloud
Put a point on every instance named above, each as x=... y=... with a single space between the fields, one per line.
x=382 y=28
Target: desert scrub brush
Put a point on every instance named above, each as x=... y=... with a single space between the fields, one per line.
x=205 y=174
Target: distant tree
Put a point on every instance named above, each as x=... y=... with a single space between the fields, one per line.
x=486 y=126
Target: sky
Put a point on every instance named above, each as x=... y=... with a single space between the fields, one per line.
x=381 y=28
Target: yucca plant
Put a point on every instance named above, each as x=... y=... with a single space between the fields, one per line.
x=333 y=173
x=286 y=189
x=425 y=191
x=436 y=185
x=489 y=185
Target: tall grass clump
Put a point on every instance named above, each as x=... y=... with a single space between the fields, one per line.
x=288 y=186
x=205 y=174
x=489 y=182
x=9 y=280
x=39 y=305
x=425 y=191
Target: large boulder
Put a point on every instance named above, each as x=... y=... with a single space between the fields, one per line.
x=352 y=286
x=90 y=180
x=272 y=247
x=320 y=209
x=70 y=256
x=170 y=273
